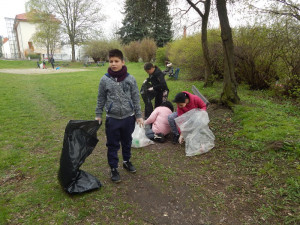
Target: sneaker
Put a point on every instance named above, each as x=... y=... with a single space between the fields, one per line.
x=115 y=176
x=159 y=138
x=175 y=139
x=129 y=167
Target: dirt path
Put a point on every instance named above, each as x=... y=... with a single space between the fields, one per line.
x=171 y=188
x=37 y=71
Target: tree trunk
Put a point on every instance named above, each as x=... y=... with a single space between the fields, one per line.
x=48 y=52
x=72 y=42
x=229 y=95
x=208 y=78
x=73 y=52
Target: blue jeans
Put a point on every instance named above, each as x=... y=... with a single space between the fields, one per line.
x=118 y=131
x=149 y=132
x=171 y=120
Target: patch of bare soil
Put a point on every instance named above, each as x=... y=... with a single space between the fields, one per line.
x=171 y=188
x=187 y=190
x=37 y=71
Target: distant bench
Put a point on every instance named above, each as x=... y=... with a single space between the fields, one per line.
x=61 y=64
x=99 y=63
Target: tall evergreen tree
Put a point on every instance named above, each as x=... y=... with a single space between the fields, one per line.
x=135 y=24
x=146 y=19
x=161 y=22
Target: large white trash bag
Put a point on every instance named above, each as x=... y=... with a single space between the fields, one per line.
x=139 y=138
x=194 y=128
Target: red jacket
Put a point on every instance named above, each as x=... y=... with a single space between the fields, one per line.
x=195 y=102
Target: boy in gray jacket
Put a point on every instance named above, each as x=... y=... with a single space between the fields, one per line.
x=119 y=94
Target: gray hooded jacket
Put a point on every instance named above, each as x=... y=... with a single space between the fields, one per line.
x=120 y=99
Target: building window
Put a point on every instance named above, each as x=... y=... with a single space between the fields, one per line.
x=30 y=45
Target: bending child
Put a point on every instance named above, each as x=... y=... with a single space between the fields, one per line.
x=185 y=102
x=159 y=121
x=159 y=88
x=119 y=94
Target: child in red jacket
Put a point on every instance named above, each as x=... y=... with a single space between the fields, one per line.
x=185 y=102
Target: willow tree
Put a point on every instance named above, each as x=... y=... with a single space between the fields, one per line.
x=229 y=95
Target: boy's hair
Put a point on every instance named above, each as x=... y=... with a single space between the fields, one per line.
x=116 y=53
x=168 y=104
x=148 y=66
x=180 y=97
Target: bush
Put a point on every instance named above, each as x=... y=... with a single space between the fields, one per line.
x=187 y=54
x=34 y=56
x=98 y=49
x=147 y=49
x=292 y=86
x=161 y=56
x=255 y=57
x=216 y=52
x=131 y=51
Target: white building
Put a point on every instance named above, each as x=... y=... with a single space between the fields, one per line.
x=6 y=48
x=24 y=30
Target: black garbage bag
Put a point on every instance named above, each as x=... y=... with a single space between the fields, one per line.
x=80 y=139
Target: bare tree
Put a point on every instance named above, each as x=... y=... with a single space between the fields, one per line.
x=79 y=18
x=289 y=8
x=229 y=95
x=47 y=30
x=208 y=78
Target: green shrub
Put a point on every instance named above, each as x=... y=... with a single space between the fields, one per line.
x=161 y=56
x=132 y=50
x=187 y=55
x=216 y=52
x=147 y=49
x=292 y=86
x=34 y=56
x=98 y=49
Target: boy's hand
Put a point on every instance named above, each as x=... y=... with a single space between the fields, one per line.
x=99 y=119
x=140 y=122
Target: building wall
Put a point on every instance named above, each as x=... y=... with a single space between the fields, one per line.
x=6 y=50
x=25 y=31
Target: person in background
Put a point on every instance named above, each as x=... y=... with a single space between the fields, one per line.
x=44 y=64
x=158 y=87
x=118 y=93
x=185 y=102
x=169 y=68
x=52 y=62
x=158 y=126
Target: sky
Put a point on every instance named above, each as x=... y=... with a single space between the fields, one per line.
x=112 y=10
x=10 y=8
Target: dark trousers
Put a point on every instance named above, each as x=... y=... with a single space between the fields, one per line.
x=119 y=131
x=160 y=97
x=148 y=105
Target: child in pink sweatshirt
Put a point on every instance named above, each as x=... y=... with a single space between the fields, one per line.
x=157 y=125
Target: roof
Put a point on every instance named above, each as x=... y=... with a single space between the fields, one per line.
x=22 y=16
x=5 y=40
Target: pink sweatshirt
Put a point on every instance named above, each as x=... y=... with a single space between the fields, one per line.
x=159 y=120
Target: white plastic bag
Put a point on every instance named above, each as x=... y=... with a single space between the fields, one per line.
x=139 y=138
x=194 y=128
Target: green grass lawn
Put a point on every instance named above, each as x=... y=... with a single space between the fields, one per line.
x=36 y=108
